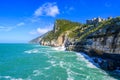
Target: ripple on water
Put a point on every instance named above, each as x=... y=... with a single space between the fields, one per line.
x=69 y=73
x=37 y=72
x=32 y=51
x=63 y=60
x=89 y=62
x=10 y=78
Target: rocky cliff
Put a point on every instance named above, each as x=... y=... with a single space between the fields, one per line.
x=101 y=39
x=60 y=34
x=38 y=39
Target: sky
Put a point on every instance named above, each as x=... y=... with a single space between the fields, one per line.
x=24 y=20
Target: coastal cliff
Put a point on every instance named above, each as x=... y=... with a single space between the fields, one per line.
x=100 y=39
x=59 y=36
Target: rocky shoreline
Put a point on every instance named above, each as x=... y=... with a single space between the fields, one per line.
x=101 y=40
x=107 y=61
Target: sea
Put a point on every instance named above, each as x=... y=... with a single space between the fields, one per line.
x=36 y=62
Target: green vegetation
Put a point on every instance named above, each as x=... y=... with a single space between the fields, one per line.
x=65 y=25
x=81 y=31
x=49 y=36
x=60 y=27
x=76 y=33
x=110 y=25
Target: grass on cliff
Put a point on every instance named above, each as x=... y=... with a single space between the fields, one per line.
x=81 y=31
x=49 y=36
x=110 y=25
x=60 y=27
x=65 y=25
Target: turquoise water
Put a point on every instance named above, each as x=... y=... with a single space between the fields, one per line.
x=35 y=62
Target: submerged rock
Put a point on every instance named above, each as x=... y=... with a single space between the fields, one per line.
x=108 y=65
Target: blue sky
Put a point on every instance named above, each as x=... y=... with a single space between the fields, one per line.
x=23 y=20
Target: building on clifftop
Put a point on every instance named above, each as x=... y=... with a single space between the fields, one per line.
x=94 y=21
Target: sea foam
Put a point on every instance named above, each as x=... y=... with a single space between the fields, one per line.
x=32 y=51
x=60 y=48
x=90 y=63
x=11 y=78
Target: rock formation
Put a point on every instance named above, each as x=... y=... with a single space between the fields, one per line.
x=101 y=40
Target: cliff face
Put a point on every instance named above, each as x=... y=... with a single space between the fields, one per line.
x=101 y=39
x=107 y=44
x=60 y=34
x=54 y=42
x=38 y=39
x=104 y=37
x=35 y=41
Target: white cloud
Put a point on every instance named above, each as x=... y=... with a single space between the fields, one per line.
x=33 y=32
x=47 y=9
x=68 y=9
x=3 y=28
x=9 y=28
x=20 y=24
x=42 y=30
x=39 y=31
x=71 y=8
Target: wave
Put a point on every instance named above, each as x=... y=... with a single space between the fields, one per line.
x=69 y=73
x=61 y=48
x=89 y=61
x=32 y=51
x=53 y=63
x=37 y=72
x=92 y=64
x=11 y=78
x=37 y=45
x=46 y=68
x=44 y=49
